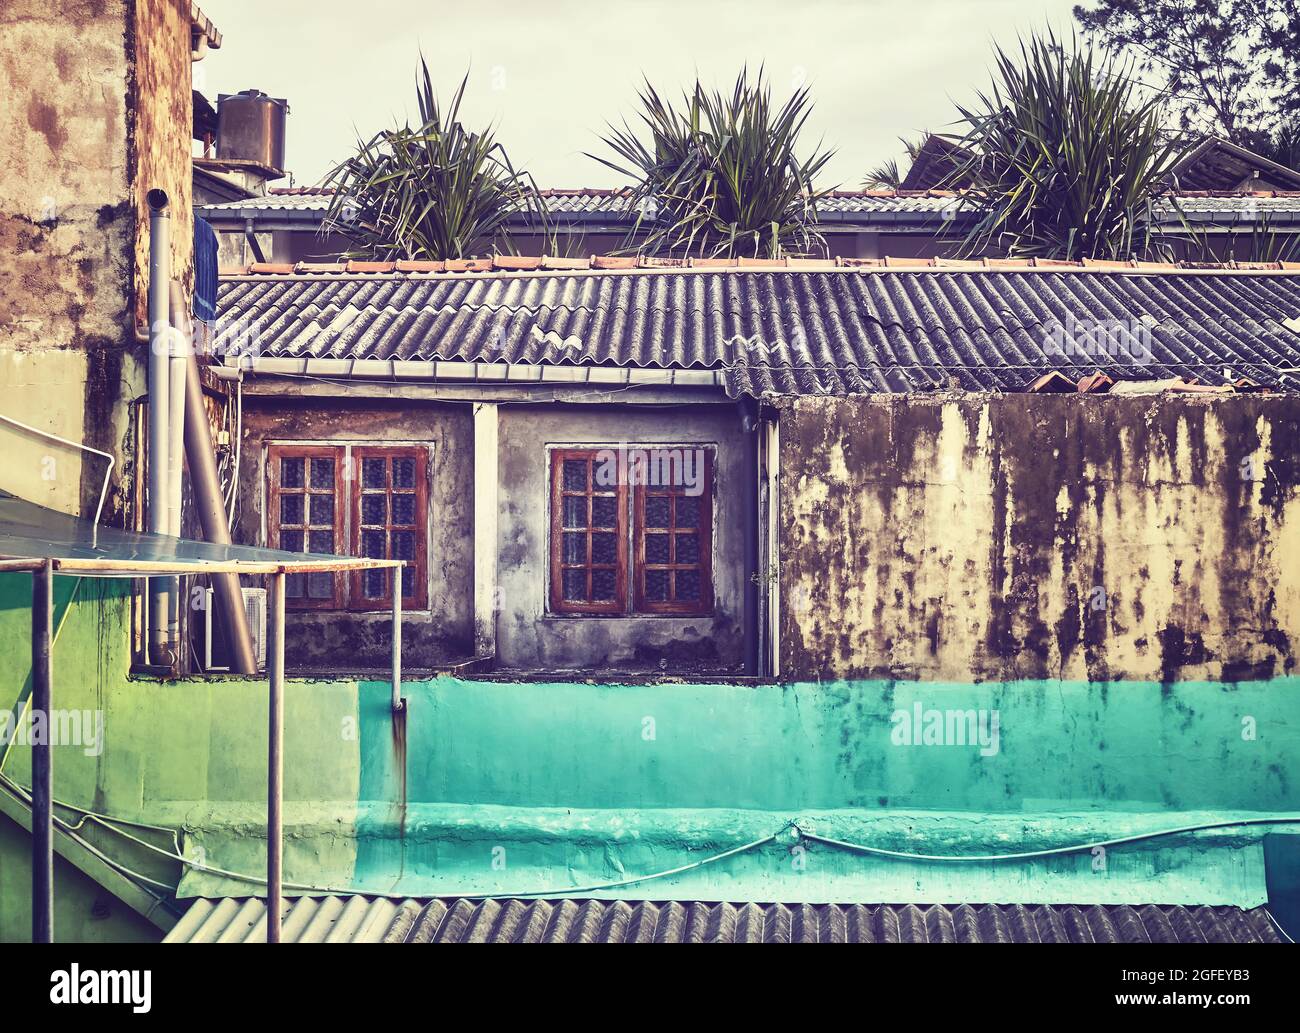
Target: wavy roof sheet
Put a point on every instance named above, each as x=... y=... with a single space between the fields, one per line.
x=829 y=331
x=359 y=919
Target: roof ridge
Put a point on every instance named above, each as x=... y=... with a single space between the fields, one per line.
x=639 y=263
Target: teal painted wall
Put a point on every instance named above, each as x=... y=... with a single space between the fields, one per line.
x=515 y=787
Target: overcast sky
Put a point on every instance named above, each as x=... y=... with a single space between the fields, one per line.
x=550 y=75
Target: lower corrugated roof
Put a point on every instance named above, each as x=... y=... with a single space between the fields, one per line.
x=361 y=919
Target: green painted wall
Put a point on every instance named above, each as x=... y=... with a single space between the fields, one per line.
x=515 y=787
x=85 y=911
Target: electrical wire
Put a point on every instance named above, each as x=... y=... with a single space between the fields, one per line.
x=1292 y=819
x=789 y=827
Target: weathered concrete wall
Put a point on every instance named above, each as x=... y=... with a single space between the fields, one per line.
x=530 y=639
x=444 y=629
x=1060 y=536
x=161 y=134
x=96 y=111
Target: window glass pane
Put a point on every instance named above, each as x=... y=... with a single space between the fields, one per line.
x=688 y=548
x=575 y=511
x=321 y=509
x=322 y=541
x=291 y=472
x=688 y=585
x=575 y=585
x=374 y=509
x=291 y=509
x=291 y=540
x=408 y=581
x=404 y=509
x=603 y=583
x=372 y=473
x=656 y=511
x=575 y=547
x=604 y=511
x=604 y=547
x=575 y=474
x=374 y=583
x=403 y=545
x=322 y=473
x=656 y=585
x=404 y=472
x=373 y=545
x=656 y=548
x=688 y=511
x=320 y=585
x=293 y=586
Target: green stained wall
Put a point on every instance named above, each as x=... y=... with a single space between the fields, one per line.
x=515 y=787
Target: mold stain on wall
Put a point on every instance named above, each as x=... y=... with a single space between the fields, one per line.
x=982 y=538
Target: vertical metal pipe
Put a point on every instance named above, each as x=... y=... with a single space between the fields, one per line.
x=208 y=502
x=275 y=760
x=397 y=639
x=42 y=757
x=749 y=428
x=161 y=589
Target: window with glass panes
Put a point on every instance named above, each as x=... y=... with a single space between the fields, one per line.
x=305 y=516
x=588 y=536
x=667 y=558
x=388 y=523
x=350 y=500
x=672 y=548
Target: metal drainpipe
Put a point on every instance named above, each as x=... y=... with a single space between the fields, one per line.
x=750 y=429
x=206 y=486
x=161 y=589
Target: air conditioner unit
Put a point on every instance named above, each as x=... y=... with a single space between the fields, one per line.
x=215 y=651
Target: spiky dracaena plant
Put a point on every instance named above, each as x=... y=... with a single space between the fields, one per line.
x=889 y=174
x=431 y=192
x=721 y=176
x=1067 y=156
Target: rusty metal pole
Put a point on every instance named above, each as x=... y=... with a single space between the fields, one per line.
x=396 y=574
x=275 y=760
x=42 y=756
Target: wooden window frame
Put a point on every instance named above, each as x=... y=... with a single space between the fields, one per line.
x=276 y=453
x=418 y=568
x=631 y=567
x=559 y=605
x=347 y=456
x=704 y=535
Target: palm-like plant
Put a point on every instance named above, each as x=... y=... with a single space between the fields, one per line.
x=720 y=176
x=889 y=175
x=432 y=192
x=1067 y=157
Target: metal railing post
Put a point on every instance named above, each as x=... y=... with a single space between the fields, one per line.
x=42 y=756
x=275 y=760
x=397 y=638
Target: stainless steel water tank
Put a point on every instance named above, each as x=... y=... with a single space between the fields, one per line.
x=250 y=127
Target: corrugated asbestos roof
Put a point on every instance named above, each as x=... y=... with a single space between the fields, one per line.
x=789 y=331
x=359 y=919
